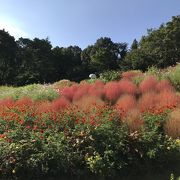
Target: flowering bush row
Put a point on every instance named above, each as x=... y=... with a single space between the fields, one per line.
x=96 y=129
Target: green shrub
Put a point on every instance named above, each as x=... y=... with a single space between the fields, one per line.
x=155 y=145
x=110 y=149
x=34 y=156
x=110 y=76
x=154 y=71
x=174 y=77
x=44 y=93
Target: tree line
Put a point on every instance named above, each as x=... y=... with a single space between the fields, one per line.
x=26 y=61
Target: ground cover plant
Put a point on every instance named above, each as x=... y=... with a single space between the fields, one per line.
x=103 y=130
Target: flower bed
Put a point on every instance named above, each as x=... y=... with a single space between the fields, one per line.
x=101 y=130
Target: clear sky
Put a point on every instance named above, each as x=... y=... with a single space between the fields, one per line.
x=82 y=22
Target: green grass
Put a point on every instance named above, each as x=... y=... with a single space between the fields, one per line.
x=34 y=91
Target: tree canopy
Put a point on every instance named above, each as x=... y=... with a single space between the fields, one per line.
x=160 y=47
x=27 y=61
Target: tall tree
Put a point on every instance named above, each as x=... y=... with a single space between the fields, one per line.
x=35 y=57
x=160 y=47
x=104 y=55
x=68 y=62
x=8 y=49
x=134 y=44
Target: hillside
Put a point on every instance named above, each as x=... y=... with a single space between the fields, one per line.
x=99 y=127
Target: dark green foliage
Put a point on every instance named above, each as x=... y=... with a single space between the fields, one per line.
x=8 y=50
x=104 y=55
x=34 y=61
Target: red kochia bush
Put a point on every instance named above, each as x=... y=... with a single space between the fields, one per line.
x=81 y=91
x=164 y=85
x=112 y=91
x=148 y=84
x=127 y=87
x=99 y=83
x=96 y=89
x=59 y=104
x=88 y=102
x=167 y=99
x=125 y=104
x=69 y=92
x=147 y=102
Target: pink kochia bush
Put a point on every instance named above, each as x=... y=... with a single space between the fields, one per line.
x=68 y=92
x=127 y=87
x=81 y=91
x=151 y=95
x=156 y=96
x=60 y=103
x=148 y=84
x=24 y=102
x=112 y=91
x=97 y=89
x=164 y=85
x=87 y=102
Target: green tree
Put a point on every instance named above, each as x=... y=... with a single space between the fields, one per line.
x=35 y=61
x=68 y=63
x=104 y=55
x=160 y=47
x=134 y=45
x=8 y=61
x=25 y=57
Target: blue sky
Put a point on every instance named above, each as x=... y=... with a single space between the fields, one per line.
x=82 y=22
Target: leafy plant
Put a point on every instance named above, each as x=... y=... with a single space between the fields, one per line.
x=110 y=76
x=173 y=76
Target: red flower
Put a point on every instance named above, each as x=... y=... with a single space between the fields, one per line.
x=28 y=127
x=21 y=122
